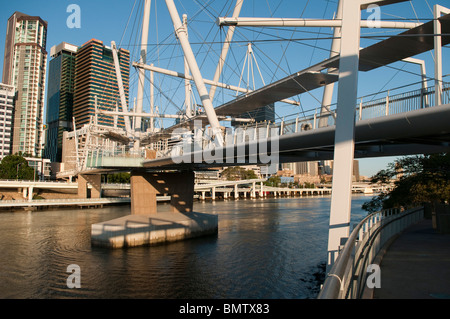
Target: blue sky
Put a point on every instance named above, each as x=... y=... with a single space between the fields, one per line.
x=119 y=21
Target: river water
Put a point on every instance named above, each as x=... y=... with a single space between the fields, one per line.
x=265 y=248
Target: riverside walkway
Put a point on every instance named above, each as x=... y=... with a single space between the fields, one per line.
x=416 y=265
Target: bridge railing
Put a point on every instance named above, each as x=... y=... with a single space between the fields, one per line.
x=387 y=105
x=119 y=156
x=348 y=275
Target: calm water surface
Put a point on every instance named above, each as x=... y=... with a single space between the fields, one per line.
x=269 y=248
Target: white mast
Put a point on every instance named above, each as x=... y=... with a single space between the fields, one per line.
x=123 y=101
x=193 y=66
x=187 y=83
x=225 y=48
x=143 y=59
x=328 y=90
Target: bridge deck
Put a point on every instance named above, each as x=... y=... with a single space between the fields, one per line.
x=415 y=132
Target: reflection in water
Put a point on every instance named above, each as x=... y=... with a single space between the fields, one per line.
x=267 y=248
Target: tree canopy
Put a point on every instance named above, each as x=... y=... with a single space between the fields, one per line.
x=238 y=173
x=15 y=167
x=119 y=178
x=273 y=181
x=420 y=179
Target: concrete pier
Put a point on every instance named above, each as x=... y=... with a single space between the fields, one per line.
x=152 y=229
x=96 y=186
x=146 y=226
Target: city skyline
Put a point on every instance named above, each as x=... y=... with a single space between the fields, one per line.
x=108 y=25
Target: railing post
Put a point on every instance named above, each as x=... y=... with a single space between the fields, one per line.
x=360 y=109
x=387 y=103
x=315 y=120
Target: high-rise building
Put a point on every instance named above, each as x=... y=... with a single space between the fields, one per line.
x=60 y=92
x=24 y=68
x=95 y=77
x=311 y=168
x=7 y=93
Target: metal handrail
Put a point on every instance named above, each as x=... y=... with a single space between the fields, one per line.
x=347 y=277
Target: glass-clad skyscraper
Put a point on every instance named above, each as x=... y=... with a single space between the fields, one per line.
x=61 y=84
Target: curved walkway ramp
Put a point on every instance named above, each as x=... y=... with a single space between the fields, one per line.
x=357 y=266
x=394 y=254
x=416 y=265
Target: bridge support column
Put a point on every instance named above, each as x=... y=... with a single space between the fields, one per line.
x=344 y=144
x=236 y=194
x=145 y=187
x=30 y=193
x=96 y=186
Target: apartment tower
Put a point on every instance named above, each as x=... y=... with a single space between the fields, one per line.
x=96 y=84
x=24 y=67
x=7 y=93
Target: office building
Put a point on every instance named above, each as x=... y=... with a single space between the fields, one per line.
x=309 y=168
x=95 y=79
x=60 y=93
x=7 y=93
x=24 y=67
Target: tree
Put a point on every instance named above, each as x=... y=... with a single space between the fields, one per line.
x=16 y=167
x=420 y=179
x=273 y=181
x=238 y=173
x=119 y=178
